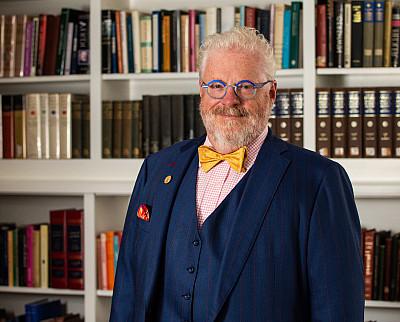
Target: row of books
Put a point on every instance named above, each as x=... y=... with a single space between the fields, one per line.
x=358 y=122
x=168 y=41
x=44 y=44
x=44 y=310
x=44 y=255
x=356 y=33
x=44 y=126
x=107 y=247
x=381 y=254
x=138 y=128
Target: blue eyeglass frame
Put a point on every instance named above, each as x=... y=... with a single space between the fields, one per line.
x=234 y=86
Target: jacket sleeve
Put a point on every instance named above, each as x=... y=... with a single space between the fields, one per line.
x=334 y=262
x=123 y=300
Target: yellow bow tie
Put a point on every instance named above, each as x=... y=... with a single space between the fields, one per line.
x=209 y=158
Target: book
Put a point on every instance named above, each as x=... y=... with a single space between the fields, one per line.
x=369 y=124
x=396 y=121
x=323 y=127
x=33 y=126
x=321 y=34
x=387 y=33
x=44 y=255
x=137 y=136
x=339 y=116
x=54 y=126
x=283 y=121
x=347 y=34
x=378 y=32
x=117 y=129
x=369 y=263
x=357 y=33
x=126 y=144
x=8 y=126
x=354 y=123
x=58 y=251
x=44 y=125
x=75 y=248
x=297 y=114
x=107 y=129
x=385 y=123
x=19 y=127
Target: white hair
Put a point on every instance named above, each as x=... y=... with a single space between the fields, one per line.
x=240 y=38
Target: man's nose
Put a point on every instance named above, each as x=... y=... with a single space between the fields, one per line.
x=230 y=96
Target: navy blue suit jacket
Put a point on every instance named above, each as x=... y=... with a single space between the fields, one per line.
x=297 y=231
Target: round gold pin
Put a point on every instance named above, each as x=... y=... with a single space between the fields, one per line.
x=167 y=179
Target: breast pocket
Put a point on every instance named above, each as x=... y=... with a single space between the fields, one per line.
x=144 y=216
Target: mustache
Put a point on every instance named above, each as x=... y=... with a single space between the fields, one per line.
x=236 y=110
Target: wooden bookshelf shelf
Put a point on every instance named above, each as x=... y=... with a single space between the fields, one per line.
x=382 y=304
x=104 y=293
x=39 y=290
x=44 y=79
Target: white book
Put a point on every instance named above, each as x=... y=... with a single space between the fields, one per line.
x=227 y=18
x=184 y=43
x=145 y=42
x=33 y=136
x=278 y=34
x=178 y=40
x=54 y=125
x=44 y=125
x=136 y=41
x=65 y=126
x=156 y=65
x=211 y=21
x=347 y=35
x=11 y=53
x=2 y=26
x=70 y=40
x=20 y=44
x=1 y=128
x=44 y=255
x=124 y=41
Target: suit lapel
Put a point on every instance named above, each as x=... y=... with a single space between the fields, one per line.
x=164 y=196
x=262 y=183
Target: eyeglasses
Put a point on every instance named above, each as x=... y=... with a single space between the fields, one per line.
x=244 y=89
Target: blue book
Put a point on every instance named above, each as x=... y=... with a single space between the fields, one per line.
x=116 y=251
x=114 y=66
x=129 y=34
x=242 y=16
x=202 y=22
x=287 y=23
x=43 y=309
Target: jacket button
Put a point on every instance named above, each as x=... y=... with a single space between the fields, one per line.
x=187 y=297
x=190 y=269
x=196 y=242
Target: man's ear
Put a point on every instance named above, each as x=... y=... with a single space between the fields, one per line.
x=272 y=91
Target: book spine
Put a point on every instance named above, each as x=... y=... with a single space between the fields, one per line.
x=83 y=55
x=44 y=125
x=8 y=126
x=106 y=22
x=118 y=41
x=36 y=256
x=28 y=48
x=370 y=124
x=369 y=263
x=103 y=259
x=347 y=35
x=286 y=38
x=387 y=33
x=395 y=43
x=19 y=45
x=44 y=255
x=117 y=129
x=42 y=43
x=29 y=256
x=86 y=128
x=146 y=124
x=339 y=114
x=330 y=28
x=68 y=48
x=297 y=115
x=19 y=127
x=65 y=126
x=192 y=44
x=177 y=109
x=76 y=121
x=323 y=130
x=283 y=115
x=33 y=128
x=136 y=41
x=339 y=33
x=10 y=257
x=35 y=46
x=129 y=36
x=166 y=121
x=124 y=42
x=385 y=124
x=378 y=33
x=146 y=44
x=396 y=127
x=321 y=36
x=357 y=33
x=387 y=265
x=62 y=41
x=155 y=124
x=58 y=252
x=75 y=249
x=126 y=129
x=98 y=264
x=354 y=124
x=278 y=34
x=368 y=33
x=110 y=259
x=54 y=126
x=2 y=43
x=155 y=18
x=294 y=34
x=137 y=138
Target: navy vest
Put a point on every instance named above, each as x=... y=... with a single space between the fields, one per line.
x=192 y=257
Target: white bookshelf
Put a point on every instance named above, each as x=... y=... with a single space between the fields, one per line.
x=102 y=187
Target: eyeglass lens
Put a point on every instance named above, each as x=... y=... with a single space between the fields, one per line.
x=243 y=89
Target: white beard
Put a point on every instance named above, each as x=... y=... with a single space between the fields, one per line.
x=233 y=134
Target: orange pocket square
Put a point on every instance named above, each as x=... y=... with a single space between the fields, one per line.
x=143 y=212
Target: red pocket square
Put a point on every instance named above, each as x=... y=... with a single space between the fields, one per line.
x=143 y=212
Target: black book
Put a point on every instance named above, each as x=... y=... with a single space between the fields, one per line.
x=380 y=239
x=106 y=34
x=22 y=252
x=395 y=45
x=166 y=121
x=83 y=43
x=146 y=128
x=4 y=228
x=330 y=31
x=175 y=40
x=136 y=129
x=356 y=33
x=339 y=33
x=189 y=117
x=178 y=117
x=199 y=128
x=370 y=143
x=263 y=22
x=394 y=287
x=155 y=124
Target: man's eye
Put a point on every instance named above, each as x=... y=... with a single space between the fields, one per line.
x=216 y=86
x=245 y=86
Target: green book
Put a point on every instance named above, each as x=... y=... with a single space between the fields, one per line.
x=295 y=34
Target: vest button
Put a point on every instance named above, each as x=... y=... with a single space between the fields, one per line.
x=196 y=242
x=190 y=269
x=187 y=297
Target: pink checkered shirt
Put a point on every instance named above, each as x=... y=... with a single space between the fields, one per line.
x=212 y=187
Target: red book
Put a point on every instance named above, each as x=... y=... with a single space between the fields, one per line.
x=75 y=246
x=52 y=33
x=8 y=126
x=369 y=263
x=321 y=36
x=29 y=255
x=110 y=259
x=42 y=43
x=192 y=40
x=250 y=17
x=58 y=249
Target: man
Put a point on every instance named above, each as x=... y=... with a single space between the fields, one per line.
x=239 y=226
